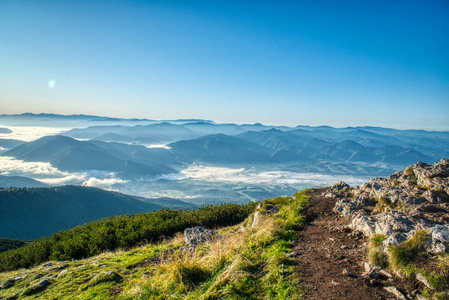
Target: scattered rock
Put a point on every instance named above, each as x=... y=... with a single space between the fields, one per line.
x=397 y=207
x=105 y=277
x=435 y=197
x=256 y=219
x=62 y=273
x=420 y=297
x=36 y=287
x=395 y=239
x=438 y=239
x=339 y=187
x=423 y=280
x=334 y=282
x=393 y=290
x=385 y=273
x=7 y=283
x=198 y=235
x=43 y=283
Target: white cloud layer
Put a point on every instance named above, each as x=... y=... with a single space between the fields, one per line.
x=252 y=176
x=50 y=175
x=29 y=134
x=103 y=183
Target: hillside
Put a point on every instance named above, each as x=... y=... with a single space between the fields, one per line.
x=30 y=213
x=19 y=181
x=385 y=239
x=68 y=154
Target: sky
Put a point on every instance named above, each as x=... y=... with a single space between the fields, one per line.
x=337 y=63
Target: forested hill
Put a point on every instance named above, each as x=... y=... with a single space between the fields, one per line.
x=30 y=213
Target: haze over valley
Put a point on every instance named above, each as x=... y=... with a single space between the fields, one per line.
x=200 y=161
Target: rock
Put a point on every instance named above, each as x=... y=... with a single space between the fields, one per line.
x=105 y=277
x=424 y=280
x=395 y=239
x=362 y=222
x=62 y=273
x=435 y=197
x=393 y=290
x=49 y=264
x=334 y=282
x=7 y=283
x=367 y=266
x=340 y=186
x=345 y=207
x=43 y=283
x=36 y=287
x=346 y=272
x=256 y=219
x=198 y=235
x=385 y=273
x=438 y=239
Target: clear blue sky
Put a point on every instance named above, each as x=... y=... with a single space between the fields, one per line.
x=340 y=63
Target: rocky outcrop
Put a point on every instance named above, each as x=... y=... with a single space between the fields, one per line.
x=198 y=235
x=411 y=200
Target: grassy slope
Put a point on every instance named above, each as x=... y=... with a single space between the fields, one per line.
x=249 y=261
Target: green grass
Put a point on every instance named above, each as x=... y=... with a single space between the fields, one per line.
x=410 y=258
x=401 y=256
x=247 y=262
x=376 y=256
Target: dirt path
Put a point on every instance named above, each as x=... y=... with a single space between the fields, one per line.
x=325 y=250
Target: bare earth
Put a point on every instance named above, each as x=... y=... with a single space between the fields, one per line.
x=326 y=250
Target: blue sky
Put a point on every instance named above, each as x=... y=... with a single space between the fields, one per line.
x=338 y=63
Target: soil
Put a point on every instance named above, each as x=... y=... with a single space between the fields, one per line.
x=331 y=257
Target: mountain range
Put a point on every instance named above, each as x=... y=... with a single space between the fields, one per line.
x=140 y=148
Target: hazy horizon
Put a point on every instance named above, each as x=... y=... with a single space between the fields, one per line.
x=293 y=125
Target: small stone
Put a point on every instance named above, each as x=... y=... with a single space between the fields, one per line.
x=385 y=273
x=332 y=239
x=334 y=282
x=423 y=280
x=43 y=283
x=368 y=267
x=7 y=283
x=393 y=290
x=346 y=272
x=62 y=273
x=344 y=247
x=373 y=282
x=49 y=264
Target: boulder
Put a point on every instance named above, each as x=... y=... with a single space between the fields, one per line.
x=108 y=276
x=395 y=239
x=438 y=239
x=340 y=186
x=7 y=283
x=384 y=223
x=198 y=235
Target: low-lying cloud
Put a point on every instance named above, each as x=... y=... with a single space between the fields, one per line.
x=103 y=183
x=29 y=134
x=50 y=175
x=253 y=176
